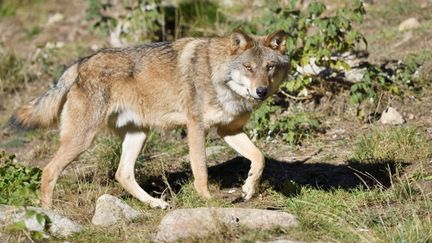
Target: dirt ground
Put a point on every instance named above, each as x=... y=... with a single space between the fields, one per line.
x=320 y=161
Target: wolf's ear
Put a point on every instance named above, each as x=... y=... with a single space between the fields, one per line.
x=240 y=41
x=276 y=41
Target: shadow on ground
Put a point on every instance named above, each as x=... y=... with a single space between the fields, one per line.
x=285 y=176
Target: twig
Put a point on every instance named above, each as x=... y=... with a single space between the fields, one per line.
x=295 y=97
x=306 y=158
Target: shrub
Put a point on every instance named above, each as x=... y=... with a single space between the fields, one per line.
x=19 y=184
x=268 y=121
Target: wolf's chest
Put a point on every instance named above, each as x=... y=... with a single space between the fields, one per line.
x=224 y=113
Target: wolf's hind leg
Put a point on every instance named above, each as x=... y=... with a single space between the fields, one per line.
x=78 y=130
x=131 y=147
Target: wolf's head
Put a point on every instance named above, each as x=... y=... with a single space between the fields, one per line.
x=258 y=64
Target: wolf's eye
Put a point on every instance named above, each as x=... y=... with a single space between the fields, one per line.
x=248 y=67
x=270 y=67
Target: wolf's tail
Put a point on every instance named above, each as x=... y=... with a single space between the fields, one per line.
x=44 y=110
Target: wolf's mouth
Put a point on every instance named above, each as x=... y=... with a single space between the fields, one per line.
x=253 y=97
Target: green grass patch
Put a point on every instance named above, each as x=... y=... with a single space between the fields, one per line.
x=407 y=144
x=8 y=8
x=32 y=31
x=19 y=184
x=189 y=198
x=361 y=215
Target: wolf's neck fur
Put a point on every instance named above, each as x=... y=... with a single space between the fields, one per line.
x=229 y=100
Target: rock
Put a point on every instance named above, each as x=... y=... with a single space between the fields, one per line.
x=110 y=210
x=60 y=226
x=310 y=69
x=409 y=24
x=279 y=241
x=392 y=117
x=199 y=222
x=355 y=75
x=55 y=18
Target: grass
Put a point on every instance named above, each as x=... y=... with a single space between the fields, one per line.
x=361 y=215
x=12 y=76
x=187 y=197
x=405 y=144
x=401 y=212
x=32 y=31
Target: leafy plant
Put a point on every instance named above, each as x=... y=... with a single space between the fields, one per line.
x=316 y=45
x=19 y=184
x=132 y=21
x=269 y=121
x=314 y=39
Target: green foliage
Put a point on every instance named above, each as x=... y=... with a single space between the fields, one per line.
x=107 y=150
x=137 y=21
x=313 y=38
x=399 y=144
x=375 y=81
x=317 y=40
x=32 y=31
x=19 y=184
x=269 y=120
x=198 y=18
x=48 y=59
x=12 y=76
x=7 y=8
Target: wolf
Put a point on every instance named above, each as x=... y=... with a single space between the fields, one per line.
x=196 y=83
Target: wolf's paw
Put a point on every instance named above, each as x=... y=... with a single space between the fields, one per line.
x=202 y=189
x=46 y=204
x=158 y=203
x=205 y=194
x=248 y=190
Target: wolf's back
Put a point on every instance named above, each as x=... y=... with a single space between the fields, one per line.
x=44 y=110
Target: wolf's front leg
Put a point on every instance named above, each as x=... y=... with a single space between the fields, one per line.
x=240 y=142
x=196 y=141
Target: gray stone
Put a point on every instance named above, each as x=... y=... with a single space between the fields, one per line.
x=60 y=226
x=111 y=210
x=57 y=17
x=409 y=24
x=355 y=75
x=391 y=117
x=199 y=222
x=279 y=241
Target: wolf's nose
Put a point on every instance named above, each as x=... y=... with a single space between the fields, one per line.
x=261 y=92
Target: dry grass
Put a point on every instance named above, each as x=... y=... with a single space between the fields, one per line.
x=401 y=212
